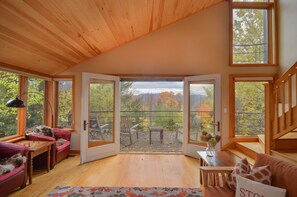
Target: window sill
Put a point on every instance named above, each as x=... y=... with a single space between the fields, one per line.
x=253 y=65
x=66 y=128
x=244 y=139
x=13 y=138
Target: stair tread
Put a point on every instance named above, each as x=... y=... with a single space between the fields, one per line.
x=289 y=154
x=290 y=135
x=254 y=146
x=261 y=138
x=242 y=155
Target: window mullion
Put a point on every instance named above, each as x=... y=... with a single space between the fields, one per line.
x=23 y=88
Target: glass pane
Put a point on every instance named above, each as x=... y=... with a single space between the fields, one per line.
x=35 y=102
x=201 y=111
x=250 y=36
x=249 y=108
x=9 y=89
x=294 y=92
x=65 y=103
x=101 y=112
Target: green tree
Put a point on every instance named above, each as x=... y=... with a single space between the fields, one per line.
x=167 y=107
x=35 y=102
x=9 y=85
x=65 y=103
x=250 y=38
x=249 y=108
x=130 y=104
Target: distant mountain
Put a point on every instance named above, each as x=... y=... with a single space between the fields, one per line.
x=152 y=99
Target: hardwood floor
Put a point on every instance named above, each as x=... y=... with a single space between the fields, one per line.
x=121 y=170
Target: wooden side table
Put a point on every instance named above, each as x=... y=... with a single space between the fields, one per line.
x=220 y=158
x=36 y=148
x=156 y=129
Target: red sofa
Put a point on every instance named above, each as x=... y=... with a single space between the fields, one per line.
x=284 y=175
x=16 y=178
x=58 y=153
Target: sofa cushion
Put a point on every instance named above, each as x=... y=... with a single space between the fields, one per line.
x=246 y=187
x=63 y=146
x=283 y=173
x=218 y=192
x=13 y=172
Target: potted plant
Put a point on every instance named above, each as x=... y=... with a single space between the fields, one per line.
x=211 y=140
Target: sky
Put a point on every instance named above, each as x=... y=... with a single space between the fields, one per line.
x=156 y=87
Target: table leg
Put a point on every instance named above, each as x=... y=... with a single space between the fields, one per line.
x=30 y=167
x=161 y=133
x=48 y=159
x=150 y=136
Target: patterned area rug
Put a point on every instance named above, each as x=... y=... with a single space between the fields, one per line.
x=124 y=191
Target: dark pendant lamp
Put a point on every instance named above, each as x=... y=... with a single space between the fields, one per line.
x=15 y=103
x=18 y=103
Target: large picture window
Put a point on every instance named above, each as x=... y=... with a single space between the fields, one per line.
x=35 y=102
x=247 y=104
x=252 y=34
x=64 y=102
x=9 y=88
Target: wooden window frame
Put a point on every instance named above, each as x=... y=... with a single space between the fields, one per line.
x=232 y=80
x=270 y=6
x=21 y=116
x=56 y=80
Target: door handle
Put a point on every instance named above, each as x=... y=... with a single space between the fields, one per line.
x=85 y=125
x=219 y=126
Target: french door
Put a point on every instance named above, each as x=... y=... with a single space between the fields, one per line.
x=99 y=136
x=202 y=111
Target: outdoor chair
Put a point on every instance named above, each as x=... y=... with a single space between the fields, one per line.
x=126 y=129
x=97 y=129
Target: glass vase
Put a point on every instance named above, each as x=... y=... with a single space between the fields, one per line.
x=210 y=150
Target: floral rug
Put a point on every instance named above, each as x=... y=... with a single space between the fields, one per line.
x=124 y=191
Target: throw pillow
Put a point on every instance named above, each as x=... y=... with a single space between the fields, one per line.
x=260 y=174
x=41 y=130
x=8 y=164
x=60 y=141
x=248 y=188
x=243 y=167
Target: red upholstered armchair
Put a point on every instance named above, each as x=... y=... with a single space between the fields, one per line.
x=58 y=153
x=18 y=176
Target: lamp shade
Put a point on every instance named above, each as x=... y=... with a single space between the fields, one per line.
x=15 y=103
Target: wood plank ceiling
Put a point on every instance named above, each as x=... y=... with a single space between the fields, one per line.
x=50 y=36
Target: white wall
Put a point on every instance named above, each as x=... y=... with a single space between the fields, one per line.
x=194 y=46
x=287 y=34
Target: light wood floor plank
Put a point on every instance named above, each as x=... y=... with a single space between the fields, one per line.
x=126 y=170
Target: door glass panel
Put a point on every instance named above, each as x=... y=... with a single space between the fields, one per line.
x=202 y=116
x=101 y=112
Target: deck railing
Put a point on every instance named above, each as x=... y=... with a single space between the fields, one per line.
x=250 y=53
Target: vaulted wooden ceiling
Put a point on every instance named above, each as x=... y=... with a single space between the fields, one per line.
x=50 y=36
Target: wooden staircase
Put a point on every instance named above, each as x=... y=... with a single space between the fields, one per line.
x=281 y=116
x=248 y=150
x=281 y=122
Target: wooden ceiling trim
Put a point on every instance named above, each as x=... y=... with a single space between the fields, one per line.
x=60 y=42
x=36 y=46
x=62 y=33
x=87 y=52
x=30 y=47
x=8 y=67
